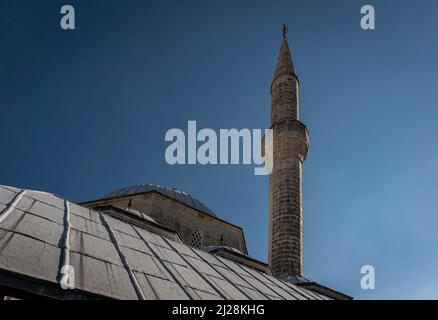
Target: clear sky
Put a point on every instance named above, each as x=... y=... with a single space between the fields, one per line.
x=85 y=112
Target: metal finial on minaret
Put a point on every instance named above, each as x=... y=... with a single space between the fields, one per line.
x=285 y=30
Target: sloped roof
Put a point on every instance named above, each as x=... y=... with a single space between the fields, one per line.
x=41 y=232
x=174 y=193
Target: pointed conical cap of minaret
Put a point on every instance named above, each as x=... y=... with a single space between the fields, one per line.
x=285 y=65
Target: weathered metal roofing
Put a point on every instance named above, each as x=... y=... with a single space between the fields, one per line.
x=174 y=193
x=40 y=233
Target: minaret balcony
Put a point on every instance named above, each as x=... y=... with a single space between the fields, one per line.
x=291 y=139
x=295 y=125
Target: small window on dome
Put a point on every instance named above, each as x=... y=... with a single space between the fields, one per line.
x=197 y=239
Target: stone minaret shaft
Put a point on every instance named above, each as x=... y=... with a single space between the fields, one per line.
x=290 y=146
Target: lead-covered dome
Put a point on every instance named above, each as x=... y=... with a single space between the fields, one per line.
x=173 y=193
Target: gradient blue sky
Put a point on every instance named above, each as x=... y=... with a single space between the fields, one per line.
x=85 y=112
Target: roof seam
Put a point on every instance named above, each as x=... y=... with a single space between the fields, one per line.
x=243 y=278
x=224 y=276
x=277 y=291
x=163 y=264
x=131 y=274
x=272 y=283
x=11 y=206
x=250 y=270
x=28 y=236
x=64 y=279
x=195 y=269
x=300 y=291
x=309 y=292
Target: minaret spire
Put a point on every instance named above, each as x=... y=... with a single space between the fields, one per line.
x=290 y=146
x=285 y=64
x=286 y=75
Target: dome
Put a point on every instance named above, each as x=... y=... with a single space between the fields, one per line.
x=173 y=193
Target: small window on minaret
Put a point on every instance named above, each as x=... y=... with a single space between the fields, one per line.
x=197 y=239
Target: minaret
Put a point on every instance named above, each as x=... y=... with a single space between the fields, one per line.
x=290 y=146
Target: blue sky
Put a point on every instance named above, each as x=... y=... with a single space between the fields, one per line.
x=85 y=112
